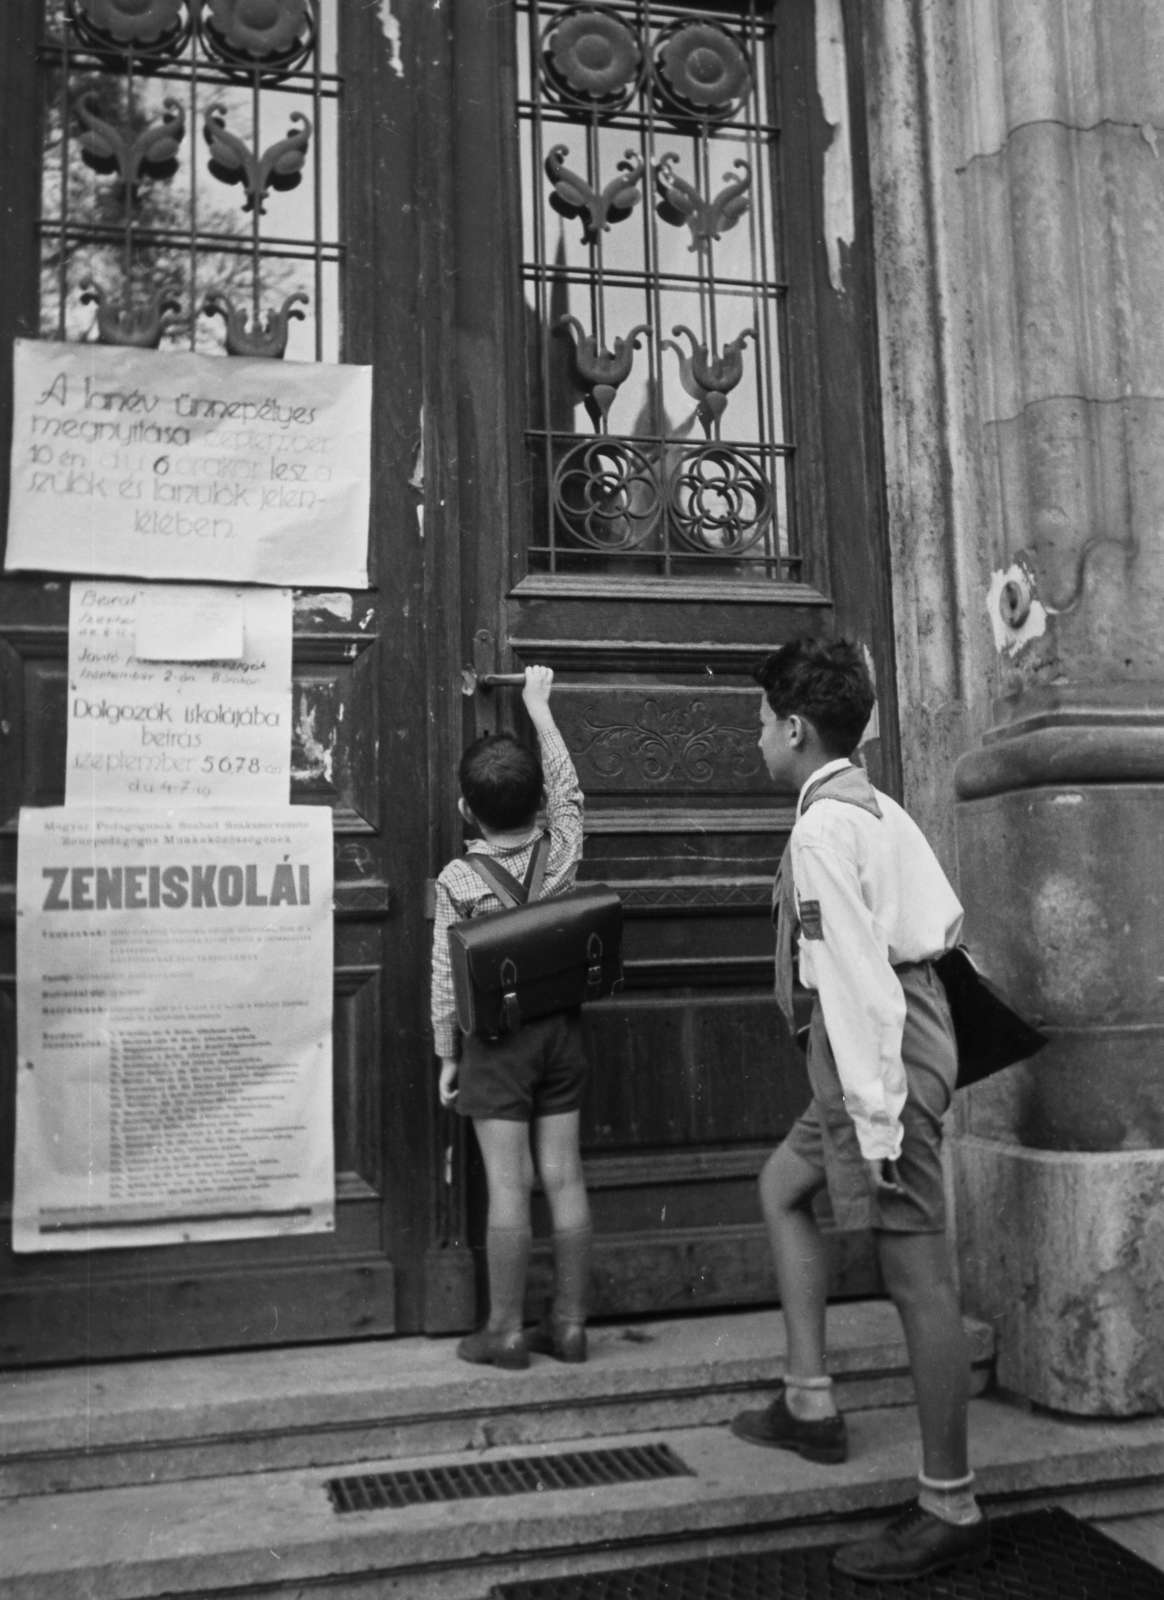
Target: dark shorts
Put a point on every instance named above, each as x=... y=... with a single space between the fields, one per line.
x=539 y=1071
x=826 y=1138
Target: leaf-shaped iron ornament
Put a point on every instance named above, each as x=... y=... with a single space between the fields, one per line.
x=128 y=24
x=153 y=154
x=232 y=161
x=264 y=339
x=574 y=197
x=708 y=219
x=601 y=371
x=709 y=379
x=141 y=326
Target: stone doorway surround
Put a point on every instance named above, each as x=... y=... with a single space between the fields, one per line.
x=1018 y=196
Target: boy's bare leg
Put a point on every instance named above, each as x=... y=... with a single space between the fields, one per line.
x=559 y=1161
x=919 y=1277
x=509 y=1173
x=787 y=1185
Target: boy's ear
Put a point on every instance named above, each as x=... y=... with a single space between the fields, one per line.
x=466 y=814
x=797 y=731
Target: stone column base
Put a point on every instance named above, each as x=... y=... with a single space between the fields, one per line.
x=1063 y=1251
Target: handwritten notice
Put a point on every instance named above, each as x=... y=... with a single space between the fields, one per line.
x=163 y=464
x=149 y=733
x=174 y=1007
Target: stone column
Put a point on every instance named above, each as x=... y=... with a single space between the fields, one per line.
x=1060 y=814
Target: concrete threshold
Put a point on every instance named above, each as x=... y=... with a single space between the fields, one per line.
x=276 y=1534
x=259 y=1411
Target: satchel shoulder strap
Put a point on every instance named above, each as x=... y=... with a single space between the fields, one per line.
x=504 y=884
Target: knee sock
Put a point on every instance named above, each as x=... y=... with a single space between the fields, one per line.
x=507 y=1252
x=951 y=1499
x=572 y=1270
x=809 y=1399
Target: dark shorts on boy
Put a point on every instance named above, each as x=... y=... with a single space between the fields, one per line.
x=826 y=1138
x=538 y=1071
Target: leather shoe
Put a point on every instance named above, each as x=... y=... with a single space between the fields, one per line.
x=488 y=1349
x=826 y=1440
x=565 y=1341
x=913 y=1544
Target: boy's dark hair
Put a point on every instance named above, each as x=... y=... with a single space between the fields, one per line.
x=502 y=781
x=826 y=683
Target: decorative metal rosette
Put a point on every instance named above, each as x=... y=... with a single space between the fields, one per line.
x=591 y=59
x=148 y=28
x=702 y=70
x=606 y=494
x=719 y=501
x=272 y=37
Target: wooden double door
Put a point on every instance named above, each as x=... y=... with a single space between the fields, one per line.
x=480 y=565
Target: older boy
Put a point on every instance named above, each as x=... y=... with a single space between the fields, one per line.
x=872 y=907
x=536 y=1075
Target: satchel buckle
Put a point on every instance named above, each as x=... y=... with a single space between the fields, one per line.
x=509 y=995
x=594 y=970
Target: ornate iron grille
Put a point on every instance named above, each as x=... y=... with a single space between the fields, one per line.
x=654 y=308
x=189 y=194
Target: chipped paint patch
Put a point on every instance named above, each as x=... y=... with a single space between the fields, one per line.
x=1010 y=636
x=873 y=726
x=390 y=28
x=833 y=88
x=338 y=603
x=317 y=756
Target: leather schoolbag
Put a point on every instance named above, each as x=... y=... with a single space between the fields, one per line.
x=539 y=956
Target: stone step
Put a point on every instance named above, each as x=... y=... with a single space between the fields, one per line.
x=277 y=1534
x=260 y=1411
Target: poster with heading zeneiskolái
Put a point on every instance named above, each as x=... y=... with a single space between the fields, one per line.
x=174 y=1010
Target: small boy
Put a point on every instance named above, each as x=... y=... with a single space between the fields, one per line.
x=863 y=890
x=535 y=1074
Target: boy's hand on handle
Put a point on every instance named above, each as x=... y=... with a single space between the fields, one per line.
x=448 y=1083
x=883 y=1178
x=536 y=695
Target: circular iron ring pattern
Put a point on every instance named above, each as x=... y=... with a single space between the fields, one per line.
x=269 y=36
x=591 y=59
x=702 y=70
x=606 y=493
x=147 y=27
x=719 y=501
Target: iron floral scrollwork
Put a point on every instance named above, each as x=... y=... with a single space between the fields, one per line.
x=703 y=70
x=149 y=26
x=153 y=153
x=606 y=494
x=140 y=326
x=266 y=34
x=681 y=743
x=708 y=219
x=573 y=197
x=232 y=161
x=709 y=379
x=266 y=340
x=601 y=371
x=719 y=500
x=592 y=59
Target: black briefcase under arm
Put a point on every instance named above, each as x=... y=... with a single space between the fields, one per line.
x=991 y=1034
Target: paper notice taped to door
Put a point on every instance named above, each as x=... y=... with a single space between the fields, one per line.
x=174 y=1009
x=151 y=731
x=165 y=464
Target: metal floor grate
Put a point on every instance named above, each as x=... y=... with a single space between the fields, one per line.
x=1039 y=1555
x=577 y=1469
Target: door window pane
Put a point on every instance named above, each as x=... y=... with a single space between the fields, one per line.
x=653 y=296
x=189 y=194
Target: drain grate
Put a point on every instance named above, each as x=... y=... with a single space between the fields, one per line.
x=578 y=1469
x=1039 y=1555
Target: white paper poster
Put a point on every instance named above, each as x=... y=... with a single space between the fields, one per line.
x=164 y=464
x=174 y=1004
x=152 y=722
